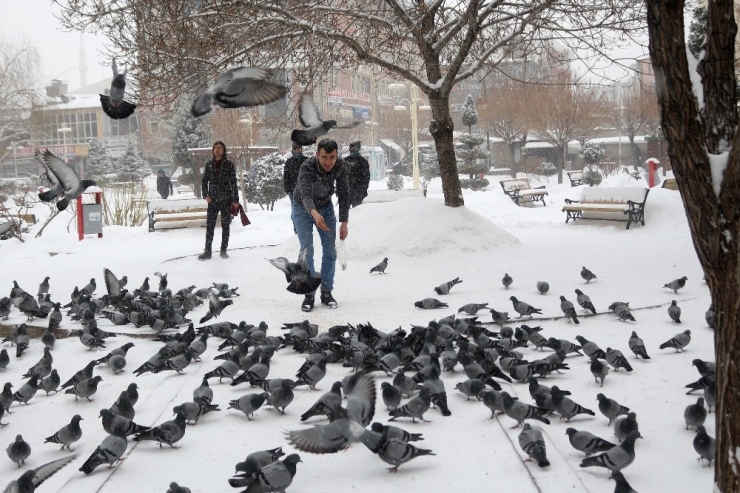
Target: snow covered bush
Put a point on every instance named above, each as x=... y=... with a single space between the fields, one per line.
x=592 y=178
x=429 y=169
x=264 y=181
x=546 y=169
x=395 y=182
x=591 y=153
x=475 y=184
x=469 y=113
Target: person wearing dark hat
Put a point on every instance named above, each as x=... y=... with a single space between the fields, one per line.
x=164 y=184
x=220 y=190
x=292 y=167
x=358 y=173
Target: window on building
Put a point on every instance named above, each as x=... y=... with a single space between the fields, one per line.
x=335 y=79
x=124 y=127
x=355 y=80
x=153 y=125
x=366 y=84
x=84 y=126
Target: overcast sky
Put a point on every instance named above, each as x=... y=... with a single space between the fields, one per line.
x=34 y=21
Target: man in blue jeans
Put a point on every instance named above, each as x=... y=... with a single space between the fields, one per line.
x=319 y=177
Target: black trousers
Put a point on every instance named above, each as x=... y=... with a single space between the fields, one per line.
x=213 y=209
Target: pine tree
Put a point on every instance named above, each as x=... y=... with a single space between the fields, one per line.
x=698 y=31
x=265 y=181
x=429 y=169
x=469 y=113
x=187 y=132
x=98 y=163
x=131 y=166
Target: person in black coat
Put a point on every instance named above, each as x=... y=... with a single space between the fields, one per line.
x=358 y=173
x=220 y=190
x=292 y=167
x=164 y=184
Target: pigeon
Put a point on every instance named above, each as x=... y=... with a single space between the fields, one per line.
x=124 y=406
x=617 y=458
x=704 y=445
x=13 y=336
x=507 y=281
x=18 y=451
x=7 y=397
x=585 y=302
x=33 y=478
x=176 y=364
x=70 y=182
x=637 y=346
x=112 y=284
x=406 y=384
x=119 y=351
x=249 y=403
x=392 y=451
x=678 y=342
x=276 y=476
x=308 y=115
x=380 y=268
x=162 y=281
x=42 y=368
x=543 y=287
x=282 y=396
x=585 y=442
x=615 y=358
x=48 y=339
x=533 y=444
x=109 y=451
x=708 y=316
x=21 y=344
x=298 y=275
x=520 y=411
x=176 y=488
x=239 y=87
x=203 y=394
x=568 y=309
x=27 y=391
x=56 y=187
x=471 y=387
x=68 y=434
x=472 y=308
x=228 y=369
x=622 y=485
x=215 y=307
x=445 y=287
x=676 y=284
x=674 y=311
x=312 y=374
x=415 y=408
x=194 y=411
x=114 y=105
x=611 y=408
x=257 y=460
x=430 y=303
x=590 y=349
x=115 y=424
x=695 y=414
x=169 y=432
x=326 y=402
x=523 y=308
x=566 y=407
x=44 y=286
x=5 y=301
x=4 y=359
x=50 y=383
x=587 y=275
x=599 y=370
x=89 y=341
x=499 y=317
x=622 y=310
x=625 y=425
x=391 y=395
x=85 y=388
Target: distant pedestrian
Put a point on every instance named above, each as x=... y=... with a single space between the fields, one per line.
x=292 y=167
x=358 y=174
x=220 y=190
x=164 y=184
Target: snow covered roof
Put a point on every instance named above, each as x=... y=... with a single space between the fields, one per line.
x=76 y=102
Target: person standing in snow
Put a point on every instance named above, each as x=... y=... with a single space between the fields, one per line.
x=358 y=173
x=292 y=167
x=319 y=177
x=164 y=184
x=220 y=190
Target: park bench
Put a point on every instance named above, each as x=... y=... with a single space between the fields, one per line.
x=670 y=184
x=179 y=213
x=28 y=218
x=521 y=191
x=575 y=177
x=634 y=173
x=609 y=203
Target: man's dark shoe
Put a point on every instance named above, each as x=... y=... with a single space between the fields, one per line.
x=328 y=300
x=206 y=255
x=224 y=254
x=307 y=304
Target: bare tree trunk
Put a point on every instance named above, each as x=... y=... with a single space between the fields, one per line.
x=442 y=128
x=713 y=217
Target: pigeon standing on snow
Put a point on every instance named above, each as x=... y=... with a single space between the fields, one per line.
x=568 y=309
x=68 y=434
x=615 y=358
x=380 y=267
x=114 y=105
x=109 y=451
x=445 y=287
x=637 y=346
x=391 y=395
x=85 y=388
x=308 y=115
x=695 y=414
x=523 y=308
x=18 y=451
x=276 y=476
x=282 y=396
x=50 y=383
x=585 y=442
x=709 y=317
x=415 y=408
x=625 y=425
x=499 y=317
x=587 y=275
x=622 y=485
x=176 y=488
x=674 y=311
x=297 y=274
x=610 y=408
x=566 y=407
x=472 y=308
x=622 y=310
x=215 y=307
x=507 y=281
x=430 y=303
x=27 y=391
x=239 y=87
x=599 y=370
x=704 y=445
x=4 y=359
x=584 y=301
x=543 y=287
x=617 y=458
x=169 y=432
x=115 y=424
x=532 y=442
x=678 y=342
x=249 y=403
x=520 y=411
x=676 y=284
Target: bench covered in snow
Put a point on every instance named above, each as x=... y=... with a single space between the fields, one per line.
x=575 y=177
x=616 y=203
x=177 y=213
x=520 y=191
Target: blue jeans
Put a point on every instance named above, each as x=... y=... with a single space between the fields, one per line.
x=304 y=224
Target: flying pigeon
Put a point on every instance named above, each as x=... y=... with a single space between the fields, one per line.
x=215 y=307
x=543 y=287
x=533 y=443
x=113 y=105
x=239 y=87
x=674 y=311
x=430 y=303
x=568 y=309
x=298 y=274
x=523 y=308
x=380 y=267
x=507 y=281
x=587 y=275
x=308 y=115
x=71 y=184
x=56 y=187
x=678 y=342
x=68 y=434
x=676 y=284
x=637 y=346
x=32 y=478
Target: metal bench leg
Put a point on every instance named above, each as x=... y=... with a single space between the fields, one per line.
x=151 y=222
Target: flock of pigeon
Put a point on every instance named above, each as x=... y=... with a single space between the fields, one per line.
x=412 y=361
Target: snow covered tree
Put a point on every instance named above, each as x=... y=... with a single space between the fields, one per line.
x=187 y=132
x=591 y=153
x=264 y=181
x=697 y=31
x=429 y=169
x=592 y=177
x=469 y=113
x=132 y=167
x=473 y=162
x=98 y=162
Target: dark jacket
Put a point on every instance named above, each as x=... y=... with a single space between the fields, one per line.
x=358 y=174
x=164 y=186
x=220 y=185
x=290 y=173
x=316 y=186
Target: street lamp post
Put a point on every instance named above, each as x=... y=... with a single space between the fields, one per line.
x=414 y=107
x=64 y=131
x=248 y=122
x=14 y=148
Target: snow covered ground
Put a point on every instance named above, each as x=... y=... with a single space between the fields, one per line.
x=426 y=244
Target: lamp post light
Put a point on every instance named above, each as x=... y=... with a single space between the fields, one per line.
x=64 y=131
x=414 y=105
